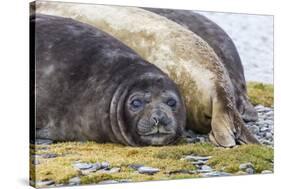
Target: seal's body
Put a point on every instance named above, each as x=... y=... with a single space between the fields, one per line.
x=185 y=57
x=223 y=46
x=90 y=86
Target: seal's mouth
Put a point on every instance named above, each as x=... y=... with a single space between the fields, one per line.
x=158 y=133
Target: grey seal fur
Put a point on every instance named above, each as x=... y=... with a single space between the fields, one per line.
x=90 y=86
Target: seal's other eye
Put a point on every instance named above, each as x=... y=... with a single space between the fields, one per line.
x=137 y=103
x=172 y=102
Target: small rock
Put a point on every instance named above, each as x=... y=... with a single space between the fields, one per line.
x=94 y=168
x=105 y=165
x=254 y=129
x=83 y=166
x=49 y=156
x=263 y=129
x=36 y=162
x=269 y=122
x=259 y=106
x=108 y=182
x=183 y=171
x=43 y=142
x=266 y=172
x=244 y=166
x=266 y=142
x=205 y=169
x=135 y=166
x=200 y=162
x=74 y=181
x=148 y=170
x=216 y=174
x=270 y=113
x=250 y=170
x=268 y=135
x=197 y=158
x=125 y=180
x=110 y=171
x=44 y=183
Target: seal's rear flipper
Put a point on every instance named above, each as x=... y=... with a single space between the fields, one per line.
x=247 y=110
x=245 y=136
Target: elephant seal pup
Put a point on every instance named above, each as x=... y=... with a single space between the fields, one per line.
x=90 y=86
x=224 y=47
x=186 y=58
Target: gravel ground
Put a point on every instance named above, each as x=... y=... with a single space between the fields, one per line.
x=253 y=37
x=262 y=128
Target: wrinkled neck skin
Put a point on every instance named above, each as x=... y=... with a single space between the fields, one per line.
x=117 y=124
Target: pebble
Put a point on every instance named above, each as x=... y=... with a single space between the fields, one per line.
x=135 y=166
x=196 y=158
x=110 y=171
x=105 y=165
x=266 y=172
x=43 y=142
x=125 y=180
x=74 y=181
x=35 y=162
x=254 y=129
x=83 y=166
x=263 y=129
x=49 y=156
x=108 y=182
x=44 y=183
x=94 y=168
x=200 y=162
x=205 y=168
x=216 y=174
x=148 y=170
x=250 y=170
x=245 y=166
x=268 y=135
x=259 y=108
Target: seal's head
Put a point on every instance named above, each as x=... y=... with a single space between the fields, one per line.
x=154 y=111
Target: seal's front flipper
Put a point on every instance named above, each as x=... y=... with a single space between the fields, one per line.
x=228 y=127
x=222 y=133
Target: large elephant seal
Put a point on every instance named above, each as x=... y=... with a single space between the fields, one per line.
x=223 y=46
x=90 y=86
x=185 y=57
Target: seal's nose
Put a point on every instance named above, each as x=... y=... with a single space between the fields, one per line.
x=158 y=117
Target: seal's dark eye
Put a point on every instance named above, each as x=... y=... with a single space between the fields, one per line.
x=172 y=102
x=137 y=103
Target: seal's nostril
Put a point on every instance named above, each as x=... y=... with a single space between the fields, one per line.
x=156 y=121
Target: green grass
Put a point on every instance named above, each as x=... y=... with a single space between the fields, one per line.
x=260 y=93
x=166 y=158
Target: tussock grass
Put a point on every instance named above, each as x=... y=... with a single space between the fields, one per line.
x=261 y=93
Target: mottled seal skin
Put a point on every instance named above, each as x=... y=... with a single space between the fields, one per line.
x=224 y=47
x=90 y=86
x=188 y=60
